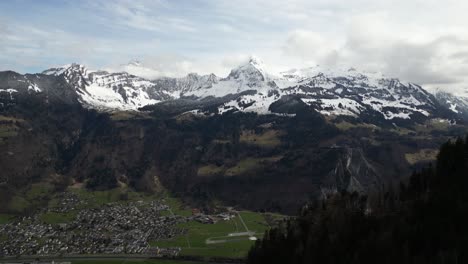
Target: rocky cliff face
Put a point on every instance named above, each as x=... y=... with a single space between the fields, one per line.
x=353 y=172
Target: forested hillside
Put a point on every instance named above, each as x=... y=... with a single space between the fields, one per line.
x=425 y=221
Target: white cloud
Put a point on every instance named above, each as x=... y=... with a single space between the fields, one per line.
x=159 y=66
x=419 y=41
x=226 y=28
x=380 y=42
x=142 y=15
x=233 y=60
x=311 y=47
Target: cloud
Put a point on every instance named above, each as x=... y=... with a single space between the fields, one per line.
x=233 y=60
x=311 y=47
x=3 y=27
x=141 y=15
x=418 y=41
x=405 y=51
x=226 y=28
x=420 y=63
x=4 y=34
x=376 y=42
x=151 y=67
x=172 y=65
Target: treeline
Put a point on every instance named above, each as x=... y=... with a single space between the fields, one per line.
x=425 y=221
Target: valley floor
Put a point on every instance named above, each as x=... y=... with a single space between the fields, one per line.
x=138 y=226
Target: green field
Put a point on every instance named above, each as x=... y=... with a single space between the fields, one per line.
x=177 y=207
x=98 y=198
x=95 y=199
x=6 y=218
x=128 y=115
x=241 y=167
x=422 y=155
x=39 y=191
x=344 y=126
x=8 y=130
x=18 y=204
x=31 y=197
x=58 y=218
x=194 y=243
x=250 y=164
x=209 y=170
x=269 y=138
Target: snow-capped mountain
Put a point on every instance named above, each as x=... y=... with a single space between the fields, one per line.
x=106 y=91
x=457 y=104
x=249 y=76
x=344 y=92
x=250 y=88
x=186 y=85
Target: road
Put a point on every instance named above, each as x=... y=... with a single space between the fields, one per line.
x=243 y=223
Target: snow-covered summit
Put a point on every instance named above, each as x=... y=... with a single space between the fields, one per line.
x=251 y=73
x=61 y=69
x=134 y=62
x=321 y=75
x=250 y=76
x=104 y=90
x=343 y=91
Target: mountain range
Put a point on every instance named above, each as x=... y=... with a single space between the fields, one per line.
x=250 y=88
x=255 y=139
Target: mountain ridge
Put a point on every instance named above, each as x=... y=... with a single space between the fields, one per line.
x=340 y=92
x=323 y=133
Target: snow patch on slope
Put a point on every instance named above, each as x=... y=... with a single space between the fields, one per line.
x=34 y=87
x=453 y=107
x=258 y=103
x=339 y=106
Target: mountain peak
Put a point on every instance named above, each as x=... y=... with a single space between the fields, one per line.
x=134 y=62
x=56 y=70
x=252 y=71
x=78 y=66
x=256 y=61
x=65 y=68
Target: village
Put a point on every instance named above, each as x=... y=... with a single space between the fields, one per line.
x=114 y=228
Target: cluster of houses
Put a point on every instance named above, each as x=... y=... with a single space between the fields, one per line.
x=210 y=219
x=111 y=229
x=163 y=252
x=66 y=202
x=114 y=228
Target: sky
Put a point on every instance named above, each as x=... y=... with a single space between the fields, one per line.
x=421 y=41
